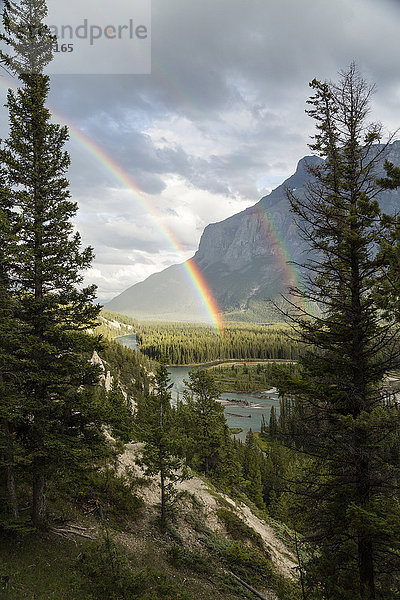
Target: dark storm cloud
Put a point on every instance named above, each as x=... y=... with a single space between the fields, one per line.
x=221 y=113
x=211 y=57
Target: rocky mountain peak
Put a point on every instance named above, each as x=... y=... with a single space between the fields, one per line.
x=242 y=259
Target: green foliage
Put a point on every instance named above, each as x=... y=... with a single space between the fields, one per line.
x=250 y=378
x=30 y=40
x=195 y=561
x=202 y=437
x=130 y=368
x=337 y=410
x=248 y=562
x=203 y=419
x=189 y=343
x=50 y=310
x=235 y=430
x=53 y=568
x=238 y=528
x=109 y=494
x=221 y=500
x=252 y=565
x=154 y=425
x=273 y=425
x=112 y=325
x=105 y=572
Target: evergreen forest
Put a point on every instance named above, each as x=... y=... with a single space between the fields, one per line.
x=109 y=490
x=188 y=343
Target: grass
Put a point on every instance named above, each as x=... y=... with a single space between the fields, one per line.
x=235 y=430
x=261 y=441
x=189 y=566
x=251 y=564
x=45 y=567
x=237 y=529
x=39 y=566
x=50 y=568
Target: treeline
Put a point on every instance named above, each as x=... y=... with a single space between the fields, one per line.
x=83 y=447
x=250 y=378
x=196 y=432
x=188 y=343
x=112 y=325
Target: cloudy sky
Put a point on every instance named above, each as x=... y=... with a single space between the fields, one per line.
x=217 y=124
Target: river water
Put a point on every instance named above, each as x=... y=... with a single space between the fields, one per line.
x=237 y=414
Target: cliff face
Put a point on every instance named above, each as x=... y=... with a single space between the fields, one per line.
x=243 y=258
x=255 y=232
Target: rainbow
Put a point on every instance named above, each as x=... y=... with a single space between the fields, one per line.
x=198 y=281
x=110 y=165
x=284 y=259
x=128 y=182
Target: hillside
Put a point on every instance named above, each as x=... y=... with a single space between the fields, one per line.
x=115 y=540
x=243 y=259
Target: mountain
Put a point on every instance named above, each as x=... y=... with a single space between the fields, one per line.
x=244 y=259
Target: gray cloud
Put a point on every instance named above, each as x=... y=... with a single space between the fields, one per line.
x=218 y=122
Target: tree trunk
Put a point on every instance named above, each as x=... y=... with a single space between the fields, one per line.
x=12 y=492
x=366 y=568
x=39 y=501
x=365 y=544
x=360 y=370
x=248 y=587
x=10 y=478
x=163 y=501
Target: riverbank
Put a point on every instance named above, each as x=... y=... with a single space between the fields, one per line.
x=243 y=410
x=234 y=362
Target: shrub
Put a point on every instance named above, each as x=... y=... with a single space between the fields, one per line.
x=105 y=572
x=182 y=557
x=250 y=564
x=238 y=529
x=108 y=492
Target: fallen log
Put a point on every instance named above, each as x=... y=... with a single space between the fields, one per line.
x=65 y=532
x=248 y=587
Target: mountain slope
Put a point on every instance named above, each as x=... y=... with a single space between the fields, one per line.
x=243 y=259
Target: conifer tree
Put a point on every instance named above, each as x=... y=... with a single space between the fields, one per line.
x=48 y=261
x=206 y=417
x=252 y=471
x=154 y=425
x=273 y=425
x=9 y=342
x=351 y=491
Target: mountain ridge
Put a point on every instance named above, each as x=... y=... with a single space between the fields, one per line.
x=243 y=259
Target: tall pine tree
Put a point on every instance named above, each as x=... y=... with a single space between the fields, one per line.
x=351 y=491
x=9 y=343
x=154 y=423
x=48 y=261
x=206 y=418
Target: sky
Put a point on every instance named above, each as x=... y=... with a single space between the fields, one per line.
x=218 y=123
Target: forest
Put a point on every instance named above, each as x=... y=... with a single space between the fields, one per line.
x=249 y=378
x=111 y=325
x=188 y=343
x=108 y=489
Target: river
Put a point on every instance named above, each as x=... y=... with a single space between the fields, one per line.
x=238 y=415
